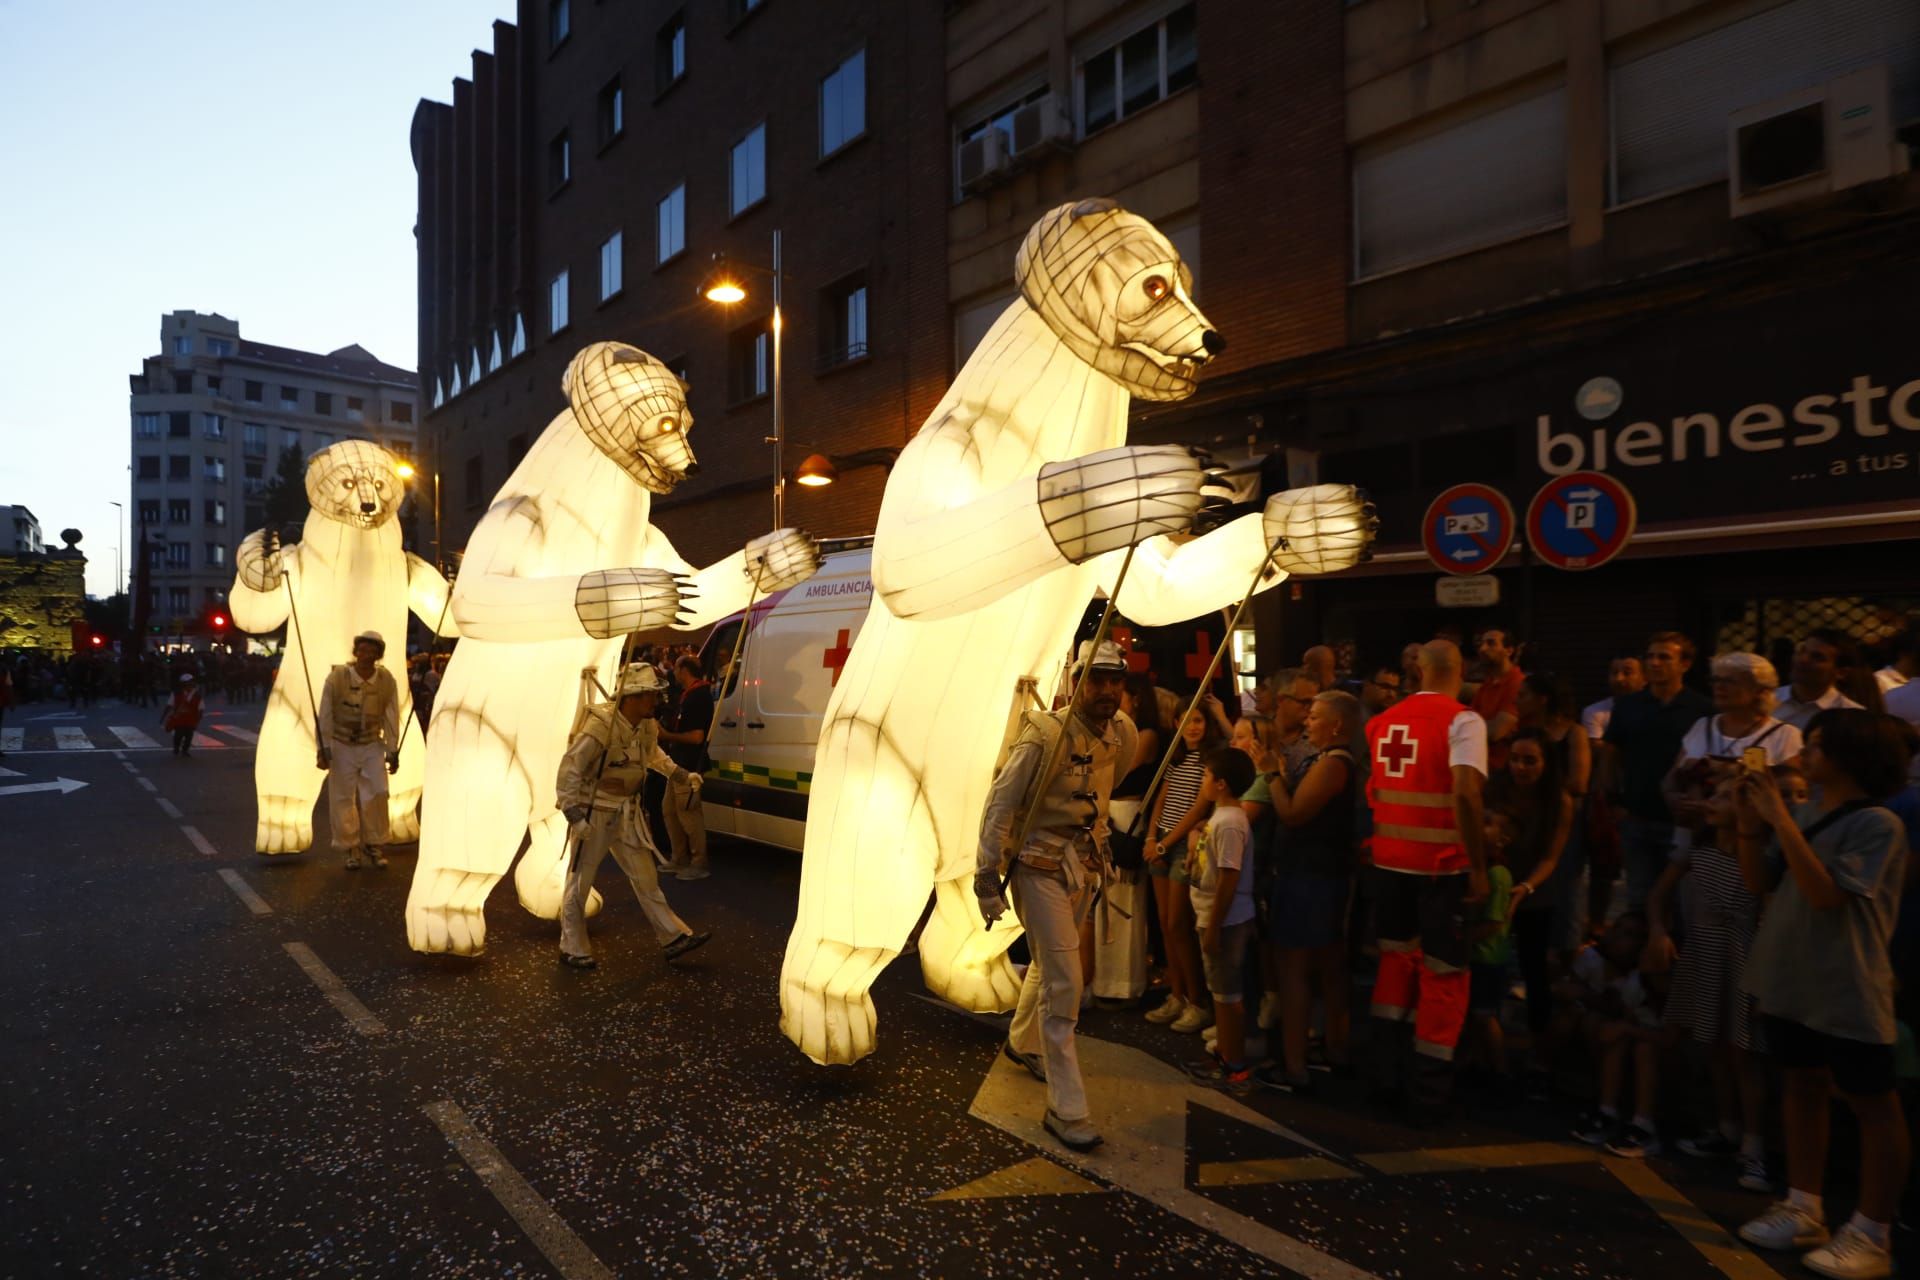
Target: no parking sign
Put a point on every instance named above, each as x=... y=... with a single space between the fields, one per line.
x=1468 y=529
x=1580 y=521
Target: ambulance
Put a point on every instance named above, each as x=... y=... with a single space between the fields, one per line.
x=796 y=643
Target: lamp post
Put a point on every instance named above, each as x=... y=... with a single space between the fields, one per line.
x=721 y=286
x=120 y=544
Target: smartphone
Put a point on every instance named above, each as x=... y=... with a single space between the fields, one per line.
x=1754 y=759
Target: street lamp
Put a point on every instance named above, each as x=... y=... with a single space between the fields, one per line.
x=721 y=285
x=120 y=544
x=818 y=470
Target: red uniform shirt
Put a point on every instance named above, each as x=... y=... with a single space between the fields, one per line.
x=1410 y=787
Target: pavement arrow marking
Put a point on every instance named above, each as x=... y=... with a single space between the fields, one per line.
x=11 y=773
x=65 y=786
x=56 y=715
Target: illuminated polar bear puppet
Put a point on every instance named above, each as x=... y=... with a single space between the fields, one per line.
x=346 y=575
x=1005 y=515
x=563 y=566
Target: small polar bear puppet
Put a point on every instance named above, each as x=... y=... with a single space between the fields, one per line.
x=1005 y=515
x=563 y=565
x=347 y=574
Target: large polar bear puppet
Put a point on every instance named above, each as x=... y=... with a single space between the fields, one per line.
x=347 y=574
x=1011 y=508
x=562 y=567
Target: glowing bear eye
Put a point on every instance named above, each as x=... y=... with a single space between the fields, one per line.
x=351 y=482
x=1156 y=287
x=669 y=425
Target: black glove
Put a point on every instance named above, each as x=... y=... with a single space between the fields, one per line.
x=576 y=813
x=324 y=759
x=393 y=762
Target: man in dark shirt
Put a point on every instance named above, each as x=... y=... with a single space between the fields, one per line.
x=686 y=743
x=1645 y=734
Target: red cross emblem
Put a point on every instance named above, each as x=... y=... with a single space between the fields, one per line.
x=836 y=658
x=1202 y=657
x=1396 y=751
x=1122 y=638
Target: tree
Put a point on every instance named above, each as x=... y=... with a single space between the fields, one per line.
x=107 y=617
x=284 y=498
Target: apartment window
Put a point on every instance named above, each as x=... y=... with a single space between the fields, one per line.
x=356 y=409
x=179 y=511
x=219 y=346
x=559 y=22
x=1134 y=73
x=213 y=426
x=556 y=304
x=494 y=358
x=559 y=162
x=179 y=425
x=255 y=471
x=670 y=235
x=749 y=361
x=213 y=386
x=610 y=253
x=516 y=449
x=216 y=513
x=216 y=555
x=149 y=468
x=843 y=325
x=1000 y=117
x=148 y=511
x=180 y=556
x=519 y=347
x=475 y=371
x=1495 y=176
x=749 y=170
x=254 y=392
x=253 y=440
x=843 y=104
x=678 y=366
x=613 y=111
x=323 y=403
x=289 y=438
x=146 y=426
x=1669 y=108
x=213 y=470
x=476 y=478
x=289 y=397
x=402 y=411
x=182 y=384
x=183 y=344
x=177 y=597
x=670 y=53
x=179 y=467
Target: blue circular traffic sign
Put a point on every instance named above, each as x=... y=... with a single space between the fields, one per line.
x=1580 y=521
x=1468 y=529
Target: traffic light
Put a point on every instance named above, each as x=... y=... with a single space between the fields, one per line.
x=218 y=620
x=97 y=640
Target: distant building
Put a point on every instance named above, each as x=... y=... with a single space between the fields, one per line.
x=43 y=592
x=19 y=530
x=212 y=415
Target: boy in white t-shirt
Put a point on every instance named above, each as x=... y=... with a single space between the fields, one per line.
x=1220 y=880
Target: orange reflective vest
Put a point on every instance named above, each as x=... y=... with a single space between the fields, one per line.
x=1410 y=787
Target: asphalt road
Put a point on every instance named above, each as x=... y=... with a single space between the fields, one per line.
x=218 y=1064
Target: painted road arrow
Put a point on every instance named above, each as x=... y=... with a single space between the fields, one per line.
x=62 y=785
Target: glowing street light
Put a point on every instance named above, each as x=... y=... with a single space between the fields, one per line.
x=721 y=285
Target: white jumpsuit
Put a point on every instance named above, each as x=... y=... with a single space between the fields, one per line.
x=1055 y=876
x=617 y=823
x=360 y=727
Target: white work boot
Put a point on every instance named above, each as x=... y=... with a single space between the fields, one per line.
x=1784 y=1226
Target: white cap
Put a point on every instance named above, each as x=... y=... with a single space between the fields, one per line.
x=1106 y=658
x=372 y=637
x=638 y=677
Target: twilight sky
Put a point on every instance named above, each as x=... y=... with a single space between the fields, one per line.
x=241 y=156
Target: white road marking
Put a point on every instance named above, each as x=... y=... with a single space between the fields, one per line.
x=71 y=737
x=11 y=739
x=65 y=786
x=210 y=744
x=56 y=715
x=567 y=1252
x=11 y=773
x=357 y=1015
x=200 y=842
x=169 y=808
x=147 y=783
x=1140 y=1105
x=244 y=891
x=133 y=737
x=247 y=736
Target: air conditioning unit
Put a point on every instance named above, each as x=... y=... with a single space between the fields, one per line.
x=1810 y=142
x=1041 y=123
x=983 y=160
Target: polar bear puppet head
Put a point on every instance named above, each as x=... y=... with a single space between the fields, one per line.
x=355 y=482
x=1116 y=293
x=634 y=409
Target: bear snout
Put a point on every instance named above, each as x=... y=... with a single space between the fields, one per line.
x=1213 y=342
x=368 y=508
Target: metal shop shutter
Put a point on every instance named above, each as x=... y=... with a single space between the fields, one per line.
x=1499 y=175
x=1670 y=107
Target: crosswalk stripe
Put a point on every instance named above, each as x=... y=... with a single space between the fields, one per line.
x=206 y=743
x=245 y=735
x=69 y=737
x=10 y=739
x=133 y=737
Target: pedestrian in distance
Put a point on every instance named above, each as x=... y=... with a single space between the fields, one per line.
x=359 y=748
x=182 y=715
